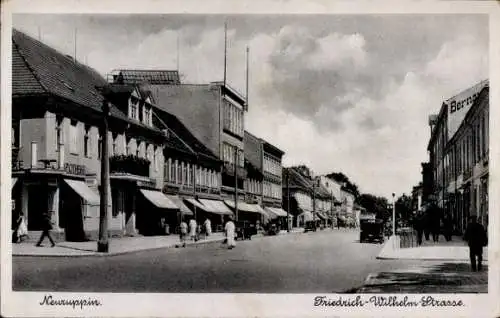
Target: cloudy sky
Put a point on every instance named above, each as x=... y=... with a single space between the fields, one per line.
x=348 y=93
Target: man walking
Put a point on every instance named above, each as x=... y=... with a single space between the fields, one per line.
x=229 y=230
x=192 y=230
x=208 y=227
x=183 y=231
x=476 y=237
x=419 y=227
x=46 y=227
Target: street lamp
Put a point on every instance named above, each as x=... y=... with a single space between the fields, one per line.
x=393 y=214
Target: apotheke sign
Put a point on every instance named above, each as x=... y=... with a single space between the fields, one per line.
x=459 y=105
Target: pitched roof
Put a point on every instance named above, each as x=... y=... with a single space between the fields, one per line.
x=144 y=76
x=182 y=138
x=38 y=69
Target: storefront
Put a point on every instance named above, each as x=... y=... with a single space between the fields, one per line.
x=252 y=213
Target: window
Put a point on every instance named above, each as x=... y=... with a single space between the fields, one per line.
x=99 y=146
x=133 y=110
x=155 y=157
x=86 y=142
x=59 y=131
x=147 y=115
x=73 y=137
x=128 y=145
x=137 y=148
x=114 y=150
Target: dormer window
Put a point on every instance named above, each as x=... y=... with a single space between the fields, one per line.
x=147 y=115
x=134 y=108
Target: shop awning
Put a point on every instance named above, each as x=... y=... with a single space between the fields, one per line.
x=178 y=202
x=84 y=191
x=275 y=211
x=159 y=199
x=246 y=207
x=322 y=215
x=303 y=203
x=14 y=180
x=216 y=206
x=306 y=216
x=197 y=204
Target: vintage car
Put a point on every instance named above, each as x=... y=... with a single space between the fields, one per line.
x=245 y=230
x=371 y=230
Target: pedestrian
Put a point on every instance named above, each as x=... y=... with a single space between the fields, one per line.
x=447 y=227
x=192 y=229
x=46 y=227
x=183 y=231
x=419 y=227
x=21 y=227
x=476 y=237
x=208 y=227
x=230 y=232
x=435 y=222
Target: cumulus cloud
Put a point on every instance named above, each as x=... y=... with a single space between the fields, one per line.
x=348 y=93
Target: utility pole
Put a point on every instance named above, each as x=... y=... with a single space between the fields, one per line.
x=394 y=214
x=236 y=182
x=225 y=52
x=194 y=190
x=103 y=244
x=314 y=202
x=331 y=206
x=288 y=200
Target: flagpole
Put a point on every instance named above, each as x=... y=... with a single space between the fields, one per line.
x=225 y=52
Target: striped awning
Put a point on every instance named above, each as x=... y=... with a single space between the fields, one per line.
x=215 y=206
x=275 y=211
x=306 y=216
x=159 y=199
x=178 y=201
x=242 y=206
x=303 y=203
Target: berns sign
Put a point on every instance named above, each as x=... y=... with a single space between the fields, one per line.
x=459 y=105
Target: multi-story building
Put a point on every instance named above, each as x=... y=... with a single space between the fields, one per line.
x=458 y=151
x=297 y=198
x=466 y=174
x=264 y=176
x=214 y=114
x=334 y=189
x=56 y=145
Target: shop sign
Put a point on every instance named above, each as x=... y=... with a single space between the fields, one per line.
x=460 y=104
x=75 y=169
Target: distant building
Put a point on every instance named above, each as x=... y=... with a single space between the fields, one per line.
x=264 y=176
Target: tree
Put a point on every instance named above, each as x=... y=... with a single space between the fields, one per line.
x=374 y=204
x=346 y=183
x=404 y=209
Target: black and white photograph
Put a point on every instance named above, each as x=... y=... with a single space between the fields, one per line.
x=327 y=155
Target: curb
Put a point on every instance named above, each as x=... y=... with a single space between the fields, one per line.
x=422 y=259
x=97 y=254
x=87 y=253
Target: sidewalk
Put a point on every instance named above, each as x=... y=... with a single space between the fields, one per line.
x=434 y=277
x=116 y=246
x=455 y=250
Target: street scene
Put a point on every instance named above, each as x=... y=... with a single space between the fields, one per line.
x=250 y=153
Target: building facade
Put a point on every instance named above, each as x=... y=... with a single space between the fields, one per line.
x=458 y=153
x=56 y=144
x=264 y=178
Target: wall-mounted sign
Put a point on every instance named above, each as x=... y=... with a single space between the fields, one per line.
x=72 y=168
x=459 y=105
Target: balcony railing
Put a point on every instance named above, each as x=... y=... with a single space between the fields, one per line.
x=129 y=164
x=229 y=170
